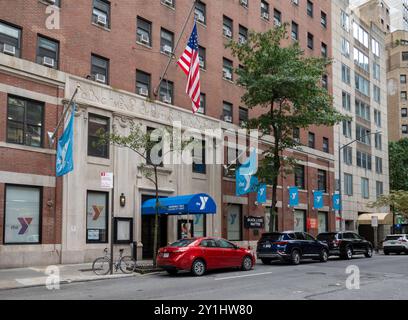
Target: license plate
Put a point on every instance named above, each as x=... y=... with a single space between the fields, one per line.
x=392 y=242
x=267 y=246
x=166 y=255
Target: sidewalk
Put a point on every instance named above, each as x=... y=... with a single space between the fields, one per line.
x=36 y=276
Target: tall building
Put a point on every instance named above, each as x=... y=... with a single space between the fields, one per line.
x=398 y=14
x=116 y=51
x=360 y=91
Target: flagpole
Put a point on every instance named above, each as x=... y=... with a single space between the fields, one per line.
x=156 y=89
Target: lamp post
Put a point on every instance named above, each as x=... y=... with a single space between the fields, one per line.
x=341 y=147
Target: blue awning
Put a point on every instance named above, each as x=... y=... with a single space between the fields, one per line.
x=200 y=203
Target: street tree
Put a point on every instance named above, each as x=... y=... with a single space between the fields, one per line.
x=398 y=151
x=397 y=200
x=287 y=86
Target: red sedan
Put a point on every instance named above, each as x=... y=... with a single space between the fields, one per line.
x=201 y=254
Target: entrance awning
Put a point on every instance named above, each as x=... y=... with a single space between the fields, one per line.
x=383 y=218
x=200 y=203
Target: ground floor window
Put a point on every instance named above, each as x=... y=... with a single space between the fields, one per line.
x=322 y=222
x=234 y=224
x=268 y=220
x=22 y=215
x=199 y=225
x=97 y=217
x=300 y=220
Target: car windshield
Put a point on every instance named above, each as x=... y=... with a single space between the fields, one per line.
x=182 y=243
x=393 y=238
x=326 y=236
x=272 y=236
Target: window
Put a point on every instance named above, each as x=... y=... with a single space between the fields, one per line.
x=345 y=48
x=361 y=59
x=323 y=19
x=404 y=112
x=326 y=145
x=311 y=140
x=227 y=112
x=200 y=12
x=101 y=12
x=403 y=95
x=202 y=57
x=295 y=31
x=154 y=155
x=360 y=34
x=365 y=192
x=378 y=141
x=322 y=222
x=244 y=3
x=404 y=129
x=325 y=81
x=322 y=180
x=348 y=184
x=295 y=2
x=199 y=159
x=10 y=39
x=347 y=128
x=363 y=134
x=379 y=188
x=309 y=8
x=227 y=69
x=144 y=31
x=346 y=101
x=265 y=10
x=25 y=122
x=296 y=134
x=405 y=56
x=100 y=69
x=142 y=83
x=96 y=126
x=376 y=94
x=227 y=27
x=166 y=41
x=362 y=110
x=234 y=222
x=377 y=118
x=97 y=217
x=277 y=17
x=345 y=74
x=378 y=165
x=47 y=52
x=201 y=110
x=362 y=85
x=22 y=216
x=375 y=47
x=348 y=155
x=243 y=115
x=310 y=40
x=403 y=78
x=324 y=50
x=170 y=3
x=376 y=71
x=364 y=160
x=243 y=34
x=299 y=223
x=166 y=91
x=345 y=21
x=300 y=176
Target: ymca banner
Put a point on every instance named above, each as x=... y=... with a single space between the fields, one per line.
x=261 y=197
x=318 y=202
x=336 y=202
x=65 y=159
x=293 y=196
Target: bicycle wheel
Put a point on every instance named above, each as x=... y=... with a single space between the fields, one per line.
x=127 y=264
x=101 y=266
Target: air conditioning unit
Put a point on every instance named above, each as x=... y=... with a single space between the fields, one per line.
x=143 y=91
x=242 y=40
x=278 y=23
x=144 y=39
x=200 y=17
x=243 y=3
x=227 y=118
x=9 y=49
x=50 y=1
x=100 y=78
x=169 y=2
x=49 y=62
x=265 y=15
x=166 y=99
x=227 y=74
x=227 y=33
x=201 y=63
x=167 y=49
x=100 y=19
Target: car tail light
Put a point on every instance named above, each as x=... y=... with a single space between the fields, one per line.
x=403 y=240
x=281 y=243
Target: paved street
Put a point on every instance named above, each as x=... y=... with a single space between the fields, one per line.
x=382 y=277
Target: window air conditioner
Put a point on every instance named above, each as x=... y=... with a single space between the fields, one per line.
x=244 y=3
x=144 y=39
x=227 y=74
x=166 y=99
x=143 y=91
x=227 y=32
x=167 y=49
x=100 y=78
x=168 y=2
x=101 y=20
x=9 y=49
x=227 y=118
x=265 y=15
x=49 y=62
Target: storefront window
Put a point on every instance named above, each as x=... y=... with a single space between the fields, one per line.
x=97 y=217
x=22 y=215
x=234 y=222
x=199 y=225
x=300 y=220
x=322 y=222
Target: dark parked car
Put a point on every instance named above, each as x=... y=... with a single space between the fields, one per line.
x=290 y=246
x=346 y=244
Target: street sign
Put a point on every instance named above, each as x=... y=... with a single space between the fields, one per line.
x=107 y=180
x=253 y=222
x=374 y=221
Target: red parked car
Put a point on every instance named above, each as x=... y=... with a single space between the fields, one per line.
x=201 y=254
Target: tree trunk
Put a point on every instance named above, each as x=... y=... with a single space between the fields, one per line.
x=156 y=219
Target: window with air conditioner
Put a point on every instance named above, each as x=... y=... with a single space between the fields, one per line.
x=227 y=27
x=170 y=3
x=100 y=69
x=244 y=3
x=277 y=17
x=10 y=39
x=243 y=34
x=144 y=31
x=101 y=12
x=47 y=52
x=202 y=57
x=166 y=91
x=201 y=109
x=142 y=83
x=227 y=69
x=227 y=112
x=265 y=10
x=200 y=12
x=166 y=41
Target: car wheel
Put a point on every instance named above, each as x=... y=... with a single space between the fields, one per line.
x=324 y=255
x=198 y=268
x=246 y=264
x=369 y=252
x=386 y=253
x=172 y=272
x=348 y=254
x=295 y=257
x=266 y=261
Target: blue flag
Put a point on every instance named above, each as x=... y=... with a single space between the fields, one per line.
x=293 y=196
x=261 y=197
x=245 y=184
x=336 y=202
x=318 y=202
x=65 y=159
x=250 y=166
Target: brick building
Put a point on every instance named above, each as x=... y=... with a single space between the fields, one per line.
x=117 y=50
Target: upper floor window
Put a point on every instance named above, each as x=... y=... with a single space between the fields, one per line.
x=295 y=31
x=322 y=180
x=363 y=110
x=345 y=74
x=227 y=69
x=360 y=34
x=100 y=69
x=166 y=91
x=101 y=12
x=346 y=101
x=143 y=83
x=404 y=56
x=365 y=190
x=265 y=10
x=166 y=41
x=376 y=71
x=361 y=59
x=375 y=47
x=202 y=57
x=227 y=112
x=10 y=39
x=345 y=48
x=144 y=31
x=377 y=94
x=244 y=3
x=311 y=140
x=404 y=112
x=324 y=50
x=243 y=115
x=47 y=52
x=170 y=3
x=202 y=103
x=363 y=134
x=310 y=38
x=200 y=12
x=277 y=17
x=97 y=125
x=326 y=146
x=309 y=8
x=227 y=27
x=345 y=21
x=323 y=19
x=198 y=155
x=377 y=118
x=403 y=78
x=299 y=172
x=243 y=34
x=25 y=121
x=364 y=160
x=362 y=85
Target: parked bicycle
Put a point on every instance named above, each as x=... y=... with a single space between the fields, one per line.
x=101 y=265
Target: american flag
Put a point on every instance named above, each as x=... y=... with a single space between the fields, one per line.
x=189 y=63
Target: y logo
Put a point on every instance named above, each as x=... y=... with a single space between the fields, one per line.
x=25 y=222
x=97 y=212
x=203 y=202
x=233 y=218
x=293 y=196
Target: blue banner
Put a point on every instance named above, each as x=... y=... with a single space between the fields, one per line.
x=65 y=159
x=318 y=202
x=336 y=202
x=245 y=184
x=261 y=197
x=293 y=196
x=250 y=166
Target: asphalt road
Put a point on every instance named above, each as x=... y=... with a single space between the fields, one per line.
x=381 y=277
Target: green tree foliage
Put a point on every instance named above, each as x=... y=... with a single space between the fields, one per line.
x=397 y=200
x=398 y=154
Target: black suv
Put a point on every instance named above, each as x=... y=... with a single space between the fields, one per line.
x=346 y=244
x=290 y=246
